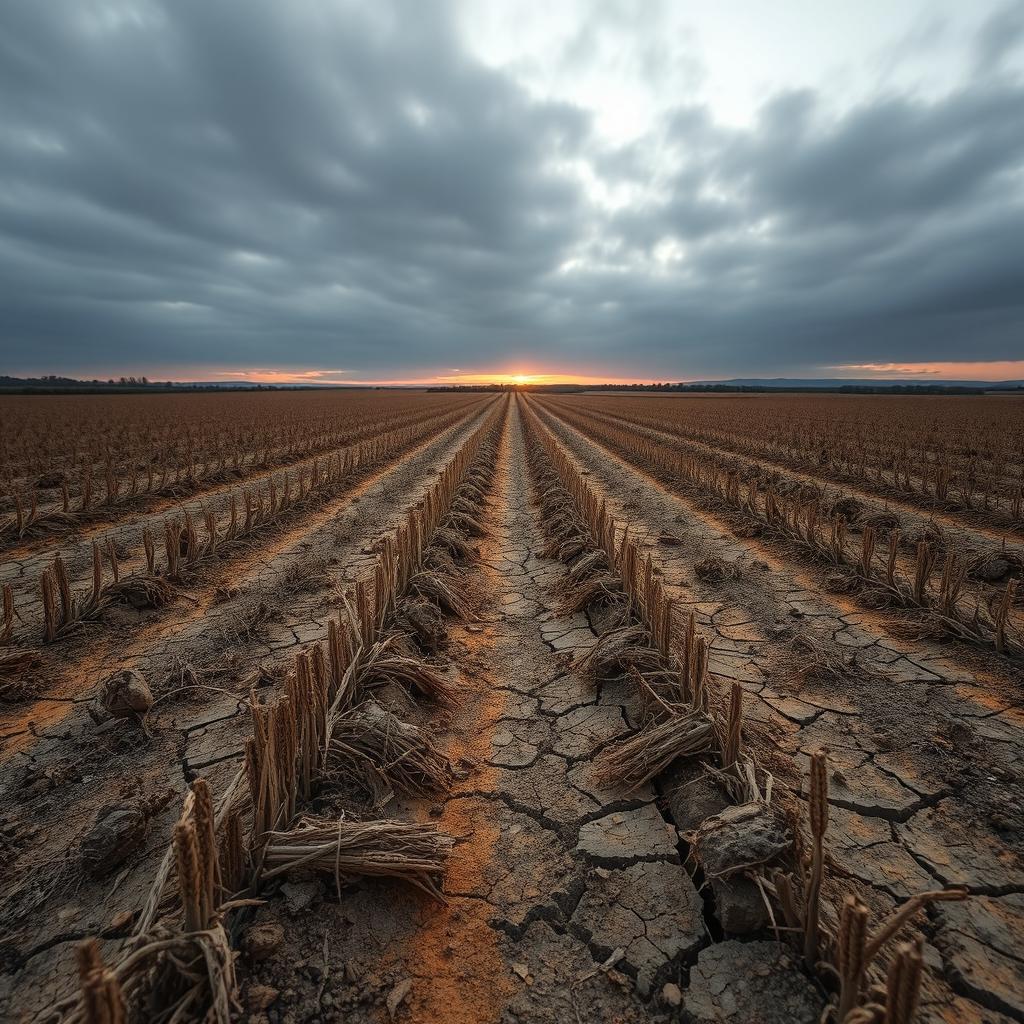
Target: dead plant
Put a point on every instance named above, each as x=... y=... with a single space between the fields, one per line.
x=434 y=587
x=385 y=753
x=715 y=570
x=676 y=732
x=411 y=852
x=378 y=666
x=621 y=649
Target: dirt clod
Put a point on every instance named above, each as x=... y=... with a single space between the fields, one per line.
x=672 y=995
x=750 y=983
x=117 y=832
x=397 y=995
x=261 y=941
x=740 y=838
x=259 y=997
x=125 y=693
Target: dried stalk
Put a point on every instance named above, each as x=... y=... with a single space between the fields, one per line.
x=818 y=810
x=412 y=852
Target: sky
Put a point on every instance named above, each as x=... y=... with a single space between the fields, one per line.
x=417 y=190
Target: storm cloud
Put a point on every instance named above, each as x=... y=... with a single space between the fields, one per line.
x=351 y=188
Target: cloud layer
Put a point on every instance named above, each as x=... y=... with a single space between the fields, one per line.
x=349 y=187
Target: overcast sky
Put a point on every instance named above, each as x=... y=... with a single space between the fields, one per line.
x=336 y=190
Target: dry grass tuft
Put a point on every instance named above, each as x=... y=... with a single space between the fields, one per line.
x=140 y=591
x=379 y=666
x=371 y=744
x=599 y=589
x=715 y=570
x=454 y=543
x=434 y=587
x=621 y=649
x=678 y=732
x=817 y=659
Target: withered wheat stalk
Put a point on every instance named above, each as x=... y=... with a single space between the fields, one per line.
x=818 y=811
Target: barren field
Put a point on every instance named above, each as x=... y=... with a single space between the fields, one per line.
x=512 y=707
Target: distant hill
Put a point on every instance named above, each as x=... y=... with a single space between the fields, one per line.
x=782 y=383
x=840 y=385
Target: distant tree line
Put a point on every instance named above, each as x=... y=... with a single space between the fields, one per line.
x=54 y=385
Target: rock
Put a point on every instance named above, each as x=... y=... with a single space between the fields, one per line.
x=672 y=995
x=261 y=941
x=300 y=896
x=750 y=983
x=397 y=995
x=991 y=570
x=118 y=831
x=739 y=905
x=259 y=997
x=739 y=838
x=692 y=794
x=523 y=973
x=125 y=693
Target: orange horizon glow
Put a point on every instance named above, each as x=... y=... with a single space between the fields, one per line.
x=1007 y=369
x=994 y=370
x=454 y=377
x=997 y=369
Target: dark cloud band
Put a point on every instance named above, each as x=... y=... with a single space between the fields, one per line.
x=246 y=184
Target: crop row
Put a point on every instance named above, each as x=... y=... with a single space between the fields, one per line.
x=225 y=852
x=839 y=944
x=887 y=448
x=187 y=542
x=932 y=586
x=87 y=489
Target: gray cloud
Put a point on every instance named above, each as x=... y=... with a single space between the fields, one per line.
x=247 y=184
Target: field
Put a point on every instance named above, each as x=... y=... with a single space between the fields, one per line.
x=511 y=707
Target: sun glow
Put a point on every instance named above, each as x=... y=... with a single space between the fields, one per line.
x=336 y=376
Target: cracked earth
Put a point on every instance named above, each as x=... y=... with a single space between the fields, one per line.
x=568 y=900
